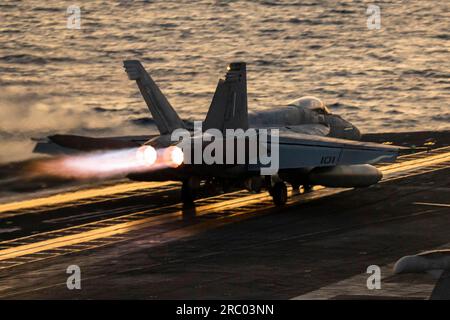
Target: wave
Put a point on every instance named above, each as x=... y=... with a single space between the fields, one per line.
x=426 y=73
x=32 y=59
x=143 y=121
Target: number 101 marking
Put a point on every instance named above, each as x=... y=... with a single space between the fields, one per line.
x=328 y=160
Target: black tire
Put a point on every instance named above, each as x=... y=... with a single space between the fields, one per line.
x=187 y=194
x=295 y=187
x=211 y=187
x=279 y=193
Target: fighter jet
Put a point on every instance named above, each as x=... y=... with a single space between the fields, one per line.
x=311 y=145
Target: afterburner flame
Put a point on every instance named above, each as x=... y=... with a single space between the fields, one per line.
x=176 y=155
x=146 y=155
x=111 y=163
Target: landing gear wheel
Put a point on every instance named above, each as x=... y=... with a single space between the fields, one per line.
x=307 y=188
x=187 y=194
x=279 y=193
x=211 y=187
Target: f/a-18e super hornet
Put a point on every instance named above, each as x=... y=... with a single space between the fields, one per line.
x=312 y=145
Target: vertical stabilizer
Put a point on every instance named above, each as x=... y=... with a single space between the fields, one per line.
x=165 y=116
x=228 y=108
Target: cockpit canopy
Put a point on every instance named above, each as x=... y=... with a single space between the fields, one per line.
x=311 y=103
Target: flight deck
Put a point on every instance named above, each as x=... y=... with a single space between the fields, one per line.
x=136 y=240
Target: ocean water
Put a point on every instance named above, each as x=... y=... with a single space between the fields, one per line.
x=54 y=79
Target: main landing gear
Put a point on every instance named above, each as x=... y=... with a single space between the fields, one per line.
x=188 y=192
x=278 y=190
x=279 y=193
x=276 y=187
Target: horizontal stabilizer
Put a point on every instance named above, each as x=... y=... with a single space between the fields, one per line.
x=91 y=144
x=70 y=144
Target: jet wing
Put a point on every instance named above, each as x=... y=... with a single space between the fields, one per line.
x=303 y=151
